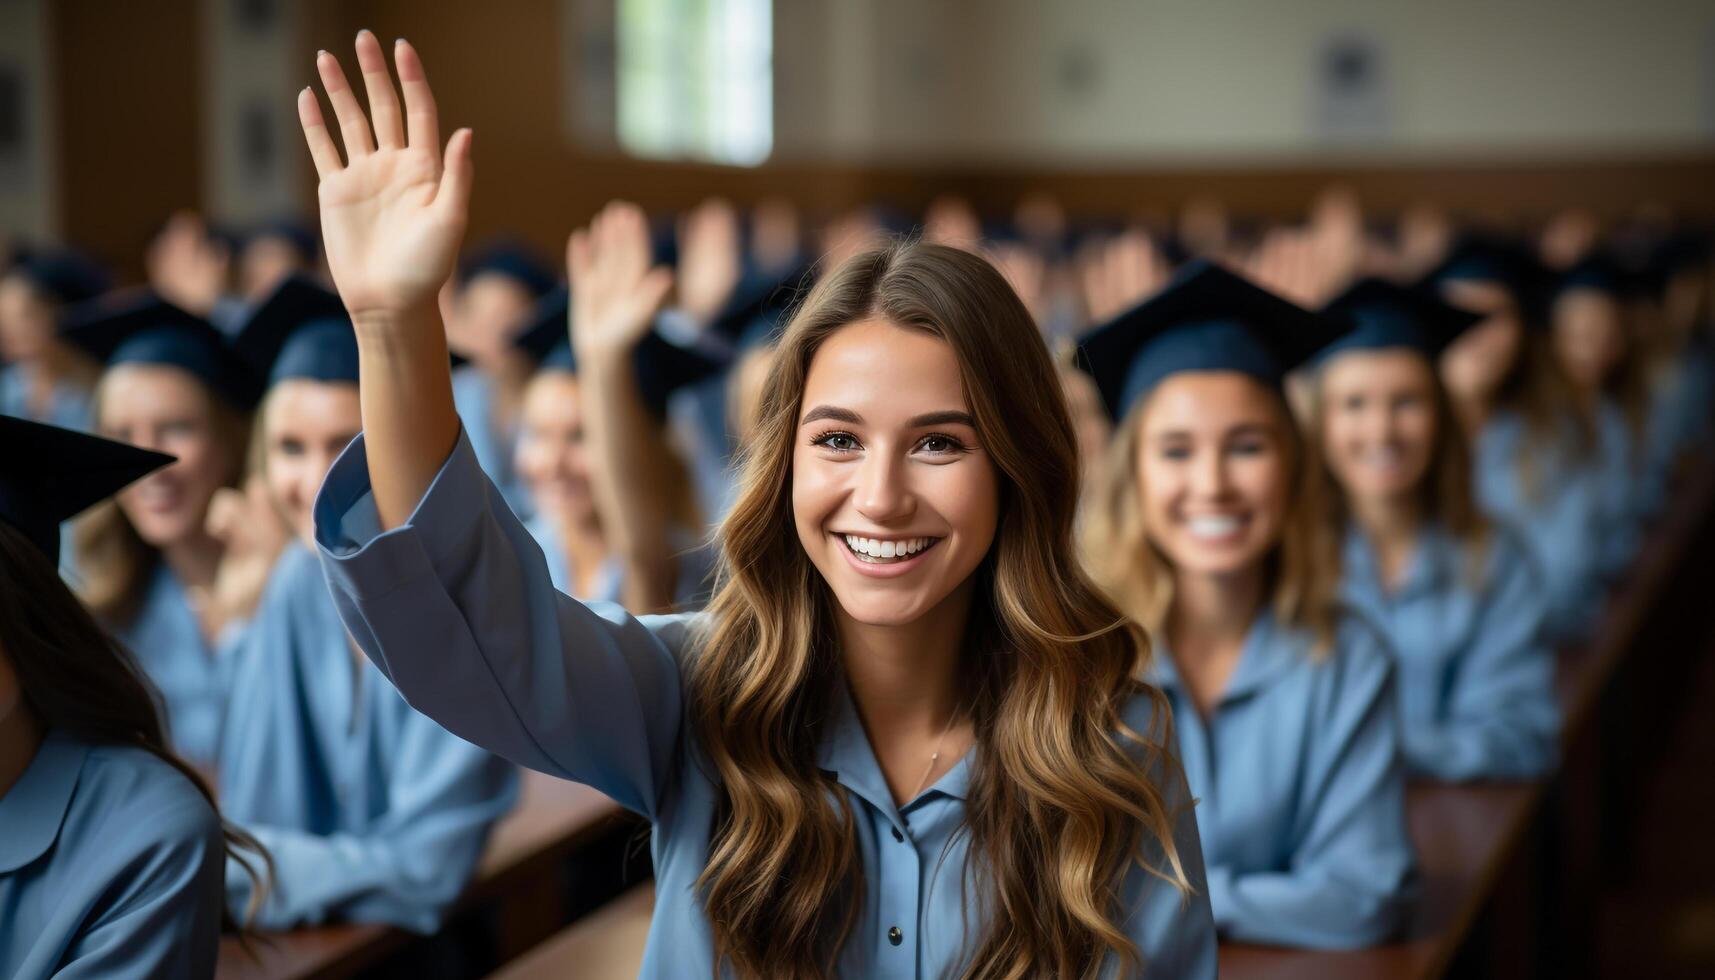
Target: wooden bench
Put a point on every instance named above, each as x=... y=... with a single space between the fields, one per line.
x=606 y=943
x=1479 y=844
x=521 y=873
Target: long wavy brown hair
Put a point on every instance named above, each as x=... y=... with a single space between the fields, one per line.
x=1302 y=569
x=1065 y=798
x=1446 y=492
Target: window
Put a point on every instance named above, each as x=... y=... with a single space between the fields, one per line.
x=696 y=79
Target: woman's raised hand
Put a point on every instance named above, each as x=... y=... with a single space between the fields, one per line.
x=394 y=209
x=616 y=288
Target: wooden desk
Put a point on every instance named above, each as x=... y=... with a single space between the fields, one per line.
x=606 y=943
x=519 y=871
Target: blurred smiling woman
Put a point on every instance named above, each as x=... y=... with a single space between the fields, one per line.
x=907 y=738
x=1204 y=530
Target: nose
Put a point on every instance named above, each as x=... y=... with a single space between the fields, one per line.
x=882 y=493
x=1209 y=474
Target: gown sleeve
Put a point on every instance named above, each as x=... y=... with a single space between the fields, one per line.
x=1502 y=716
x=456 y=608
x=1351 y=876
x=161 y=918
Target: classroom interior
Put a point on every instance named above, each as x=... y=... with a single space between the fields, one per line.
x=1229 y=128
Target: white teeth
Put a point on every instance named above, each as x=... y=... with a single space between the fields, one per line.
x=1215 y=526
x=880 y=550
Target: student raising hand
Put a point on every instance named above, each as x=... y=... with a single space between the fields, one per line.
x=616 y=292
x=392 y=214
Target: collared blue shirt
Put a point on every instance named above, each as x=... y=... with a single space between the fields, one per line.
x=1476 y=674
x=110 y=864
x=372 y=812
x=1557 y=503
x=1300 y=788
x=457 y=609
x=191 y=674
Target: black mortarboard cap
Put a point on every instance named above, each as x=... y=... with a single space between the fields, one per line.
x=1383 y=315
x=300 y=331
x=1207 y=319
x=49 y=475
x=141 y=328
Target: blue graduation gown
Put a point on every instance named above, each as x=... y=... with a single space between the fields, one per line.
x=473 y=397
x=1476 y=675
x=373 y=812
x=110 y=864
x=1681 y=407
x=696 y=563
x=69 y=406
x=1629 y=490
x=191 y=674
x=1565 y=518
x=456 y=607
x=1300 y=789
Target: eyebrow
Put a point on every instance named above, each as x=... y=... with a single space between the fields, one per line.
x=846 y=415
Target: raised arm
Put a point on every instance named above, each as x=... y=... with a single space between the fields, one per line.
x=615 y=295
x=392 y=215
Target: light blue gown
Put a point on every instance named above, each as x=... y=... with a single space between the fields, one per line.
x=1563 y=517
x=373 y=812
x=473 y=398
x=110 y=865
x=457 y=608
x=1630 y=492
x=1300 y=789
x=696 y=564
x=1475 y=674
x=1681 y=413
x=191 y=675
x=69 y=406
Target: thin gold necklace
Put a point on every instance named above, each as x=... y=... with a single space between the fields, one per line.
x=935 y=756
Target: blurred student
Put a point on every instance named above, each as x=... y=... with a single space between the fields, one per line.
x=891 y=636
x=612 y=504
x=1458 y=596
x=1534 y=457
x=110 y=847
x=41 y=377
x=1679 y=350
x=272 y=253
x=1205 y=531
x=497 y=289
x=148 y=566
x=373 y=812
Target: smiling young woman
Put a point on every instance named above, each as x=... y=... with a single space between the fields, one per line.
x=855 y=763
x=1205 y=528
x=1459 y=597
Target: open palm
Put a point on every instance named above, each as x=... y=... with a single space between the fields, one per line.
x=616 y=288
x=393 y=211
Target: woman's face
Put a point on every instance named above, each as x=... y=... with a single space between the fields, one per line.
x=1378 y=421
x=1214 y=469
x=490 y=308
x=305 y=426
x=895 y=501
x=1474 y=365
x=1589 y=336
x=166 y=409
x=26 y=320
x=552 y=457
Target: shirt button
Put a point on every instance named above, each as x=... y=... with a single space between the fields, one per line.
x=894 y=936
x=897 y=835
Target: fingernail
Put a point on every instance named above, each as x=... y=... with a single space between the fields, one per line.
x=398 y=41
x=321 y=51
x=365 y=31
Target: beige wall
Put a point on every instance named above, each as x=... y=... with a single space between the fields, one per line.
x=986 y=80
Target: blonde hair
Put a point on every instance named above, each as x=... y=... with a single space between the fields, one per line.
x=1446 y=492
x=1302 y=576
x=1064 y=797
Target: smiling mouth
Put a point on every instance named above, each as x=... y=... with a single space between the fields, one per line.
x=1215 y=527
x=878 y=551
